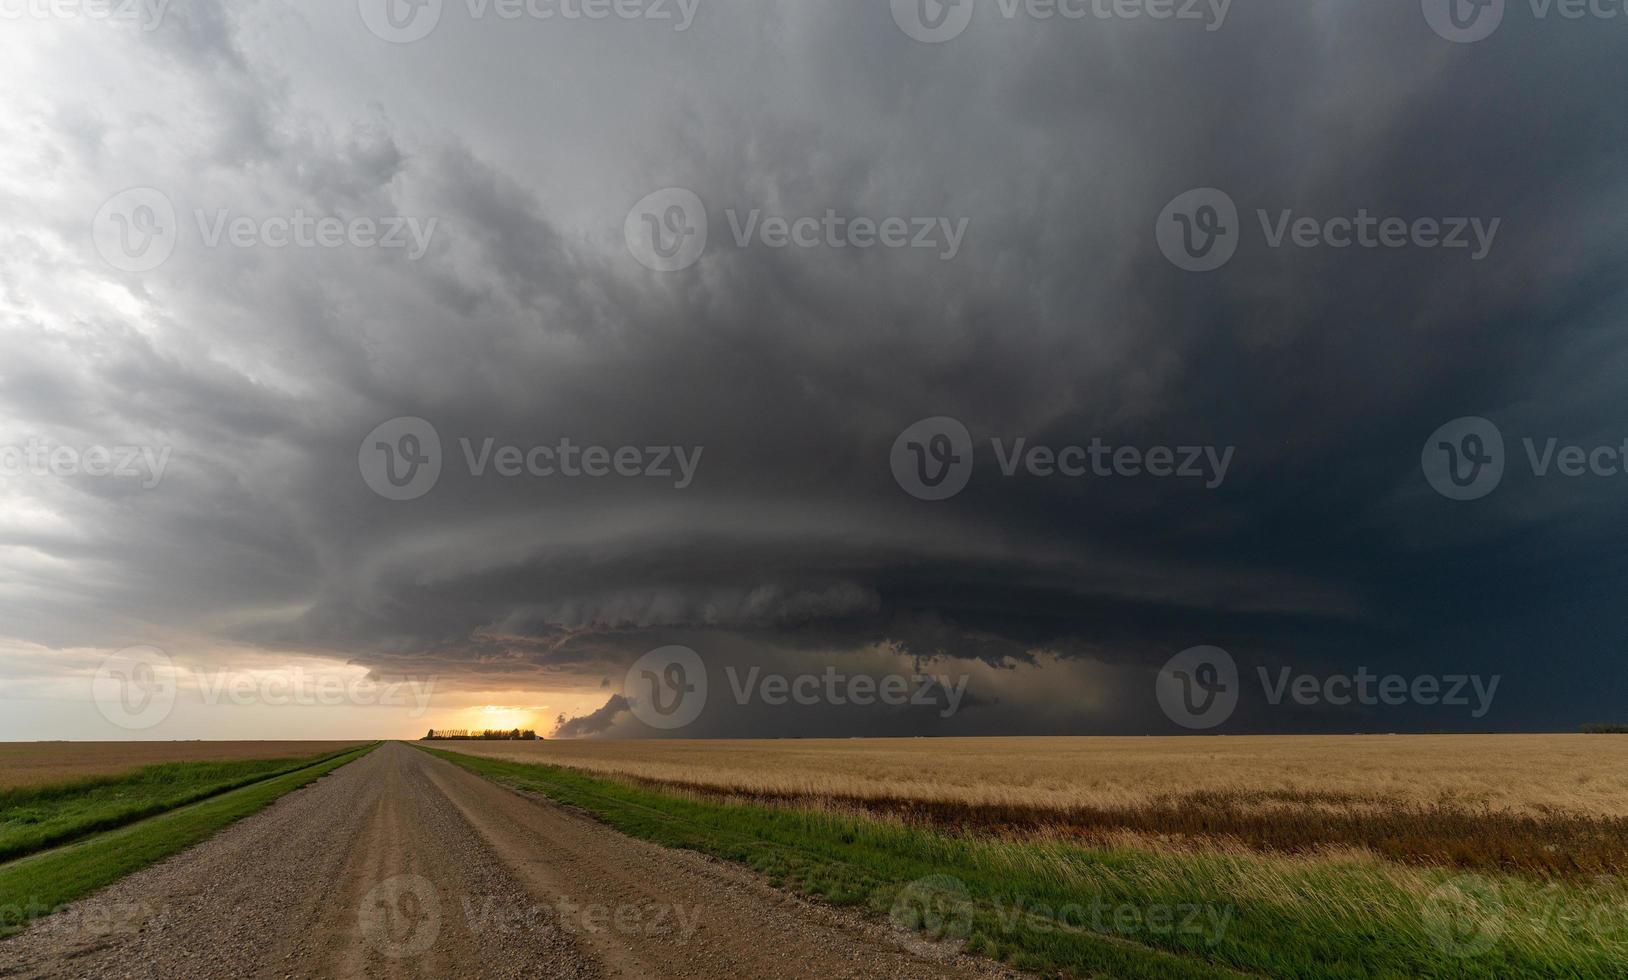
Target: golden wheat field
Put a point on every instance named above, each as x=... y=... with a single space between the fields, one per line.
x=1527 y=774
x=1546 y=804
x=39 y=763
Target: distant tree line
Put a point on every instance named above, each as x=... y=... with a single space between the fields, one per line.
x=1605 y=729
x=490 y=734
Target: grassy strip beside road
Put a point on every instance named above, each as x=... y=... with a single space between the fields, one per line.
x=1058 y=907
x=35 y=885
x=34 y=818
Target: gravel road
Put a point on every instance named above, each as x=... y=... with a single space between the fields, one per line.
x=402 y=865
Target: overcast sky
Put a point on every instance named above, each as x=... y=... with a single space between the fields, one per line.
x=222 y=375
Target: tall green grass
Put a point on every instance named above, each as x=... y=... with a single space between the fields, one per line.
x=1058 y=907
x=34 y=818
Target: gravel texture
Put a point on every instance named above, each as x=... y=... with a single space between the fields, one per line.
x=403 y=865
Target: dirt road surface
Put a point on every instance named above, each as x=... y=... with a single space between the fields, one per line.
x=403 y=865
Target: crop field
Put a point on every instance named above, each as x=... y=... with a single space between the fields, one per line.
x=1550 y=803
x=1530 y=774
x=1274 y=880
x=45 y=763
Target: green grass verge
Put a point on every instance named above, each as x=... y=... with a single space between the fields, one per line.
x=36 y=885
x=1059 y=908
x=34 y=818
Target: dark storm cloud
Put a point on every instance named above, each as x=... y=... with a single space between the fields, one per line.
x=595 y=722
x=795 y=370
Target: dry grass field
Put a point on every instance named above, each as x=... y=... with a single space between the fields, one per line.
x=1554 y=804
x=44 y=763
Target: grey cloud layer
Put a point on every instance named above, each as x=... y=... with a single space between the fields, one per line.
x=1057 y=321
